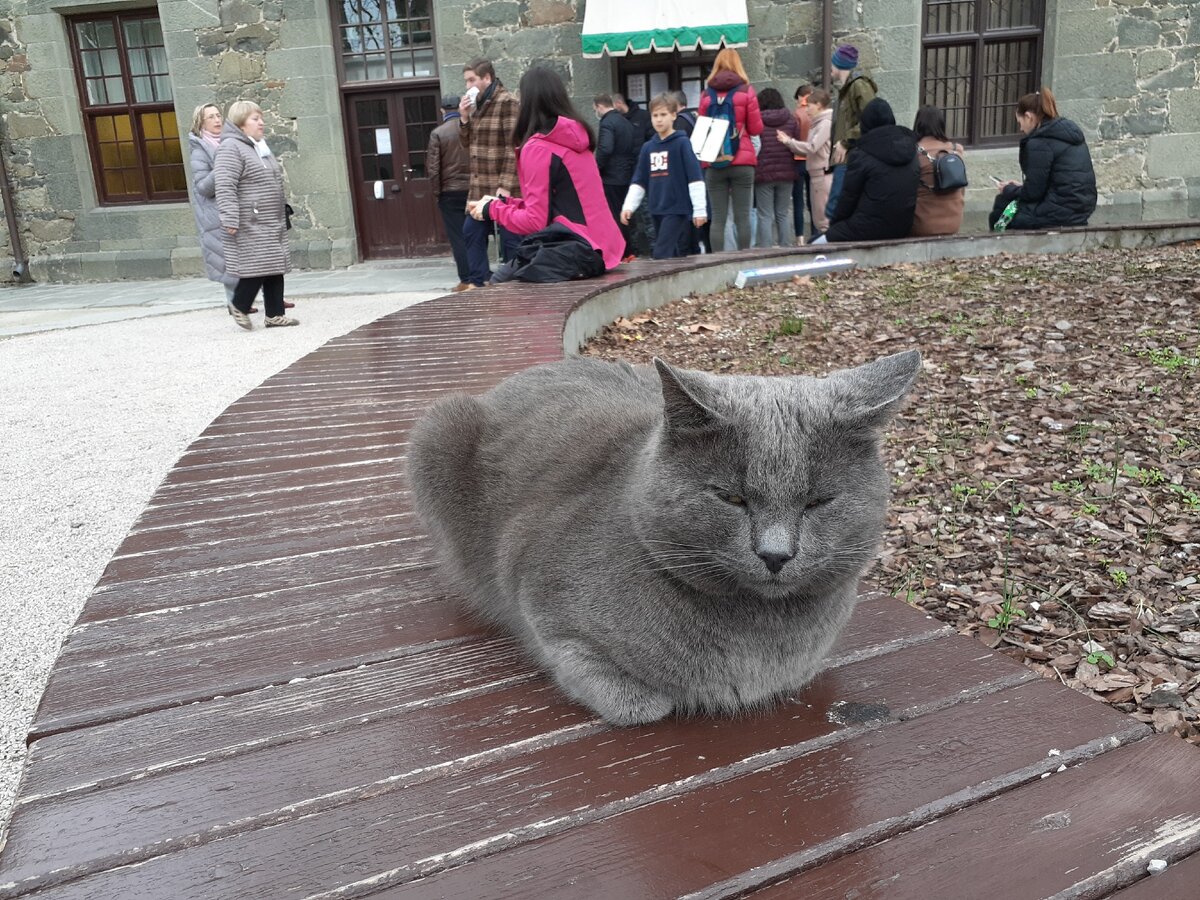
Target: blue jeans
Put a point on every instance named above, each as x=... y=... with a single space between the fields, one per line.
x=835 y=191
x=475 y=235
x=800 y=197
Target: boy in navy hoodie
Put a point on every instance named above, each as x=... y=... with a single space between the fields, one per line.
x=669 y=172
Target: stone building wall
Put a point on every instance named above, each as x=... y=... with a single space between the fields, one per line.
x=1125 y=70
x=218 y=51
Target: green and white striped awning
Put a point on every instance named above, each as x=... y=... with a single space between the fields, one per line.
x=618 y=27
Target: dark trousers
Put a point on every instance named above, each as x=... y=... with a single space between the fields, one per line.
x=272 y=288
x=673 y=236
x=801 y=197
x=1003 y=198
x=453 y=207
x=641 y=232
x=475 y=236
x=615 y=195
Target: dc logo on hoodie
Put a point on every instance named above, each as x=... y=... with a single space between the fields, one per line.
x=658 y=162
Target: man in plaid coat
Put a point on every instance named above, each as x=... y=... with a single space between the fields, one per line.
x=488 y=116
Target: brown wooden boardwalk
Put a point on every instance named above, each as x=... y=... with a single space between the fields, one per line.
x=269 y=695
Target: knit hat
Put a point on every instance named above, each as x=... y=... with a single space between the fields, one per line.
x=450 y=101
x=845 y=57
x=876 y=114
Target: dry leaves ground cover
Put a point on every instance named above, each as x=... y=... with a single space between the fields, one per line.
x=1046 y=472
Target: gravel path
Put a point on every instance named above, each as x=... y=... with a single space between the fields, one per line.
x=93 y=418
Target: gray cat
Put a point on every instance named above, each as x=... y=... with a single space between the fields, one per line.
x=662 y=540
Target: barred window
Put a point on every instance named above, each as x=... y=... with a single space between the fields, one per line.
x=383 y=40
x=978 y=57
x=128 y=109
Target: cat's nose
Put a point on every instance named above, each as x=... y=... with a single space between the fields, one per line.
x=774 y=559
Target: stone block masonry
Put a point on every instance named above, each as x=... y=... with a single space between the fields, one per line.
x=218 y=51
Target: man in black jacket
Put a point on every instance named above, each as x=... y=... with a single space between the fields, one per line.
x=640 y=235
x=879 y=195
x=616 y=156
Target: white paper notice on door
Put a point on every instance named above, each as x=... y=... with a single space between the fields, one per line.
x=383 y=140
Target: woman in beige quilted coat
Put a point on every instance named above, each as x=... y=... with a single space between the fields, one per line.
x=251 y=203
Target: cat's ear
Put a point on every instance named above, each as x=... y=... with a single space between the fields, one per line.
x=684 y=400
x=869 y=395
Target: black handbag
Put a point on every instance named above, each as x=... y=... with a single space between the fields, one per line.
x=288 y=212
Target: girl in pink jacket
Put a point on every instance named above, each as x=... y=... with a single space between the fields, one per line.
x=560 y=183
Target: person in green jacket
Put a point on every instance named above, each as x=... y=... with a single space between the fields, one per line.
x=855 y=89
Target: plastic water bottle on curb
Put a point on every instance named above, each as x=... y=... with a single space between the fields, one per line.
x=1005 y=217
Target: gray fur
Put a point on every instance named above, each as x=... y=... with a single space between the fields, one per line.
x=578 y=505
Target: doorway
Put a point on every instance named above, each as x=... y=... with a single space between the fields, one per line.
x=387 y=139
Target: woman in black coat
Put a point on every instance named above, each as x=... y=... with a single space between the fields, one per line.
x=879 y=195
x=1060 y=184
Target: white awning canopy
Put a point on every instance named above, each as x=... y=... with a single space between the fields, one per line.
x=618 y=27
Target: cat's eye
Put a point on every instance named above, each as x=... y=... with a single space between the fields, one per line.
x=818 y=502
x=732 y=499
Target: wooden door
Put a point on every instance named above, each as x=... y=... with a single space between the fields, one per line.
x=395 y=207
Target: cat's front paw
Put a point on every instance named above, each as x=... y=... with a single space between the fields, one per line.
x=617 y=698
x=630 y=704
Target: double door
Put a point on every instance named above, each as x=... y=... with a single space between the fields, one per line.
x=388 y=138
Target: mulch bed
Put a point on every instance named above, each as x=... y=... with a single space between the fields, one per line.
x=1046 y=472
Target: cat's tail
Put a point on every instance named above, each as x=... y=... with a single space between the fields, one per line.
x=443 y=471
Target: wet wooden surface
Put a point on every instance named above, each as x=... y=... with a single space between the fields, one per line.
x=269 y=694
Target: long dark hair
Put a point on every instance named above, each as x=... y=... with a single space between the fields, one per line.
x=543 y=100
x=930 y=122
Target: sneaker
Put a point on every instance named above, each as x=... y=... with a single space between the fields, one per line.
x=242 y=319
x=229 y=309
x=288 y=305
x=461 y=286
x=280 y=321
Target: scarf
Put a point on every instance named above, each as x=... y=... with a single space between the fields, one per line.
x=213 y=140
x=263 y=150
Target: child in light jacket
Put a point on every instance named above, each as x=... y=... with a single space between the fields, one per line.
x=816 y=153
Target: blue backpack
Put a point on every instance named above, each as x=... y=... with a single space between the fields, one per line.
x=724 y=109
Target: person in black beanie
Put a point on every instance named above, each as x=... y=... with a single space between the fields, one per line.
x=879 y=195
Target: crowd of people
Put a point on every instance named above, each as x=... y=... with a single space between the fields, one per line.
x=567 y=199
x=835 y=167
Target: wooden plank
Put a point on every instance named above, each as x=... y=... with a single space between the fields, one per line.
x=1178 y=882
x=880 y=625
x=306 y=447
x=278 y=543
x=1080 y=833
x=181 y=589
x=365 y=508
x=625 y=802
x=257 y=483
x=224 y=479
x=823 y=804
x=132 y=684
x=172 y=739
x=282 y=503
x=248 y=431
x=184 y=807
x=251 y=613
